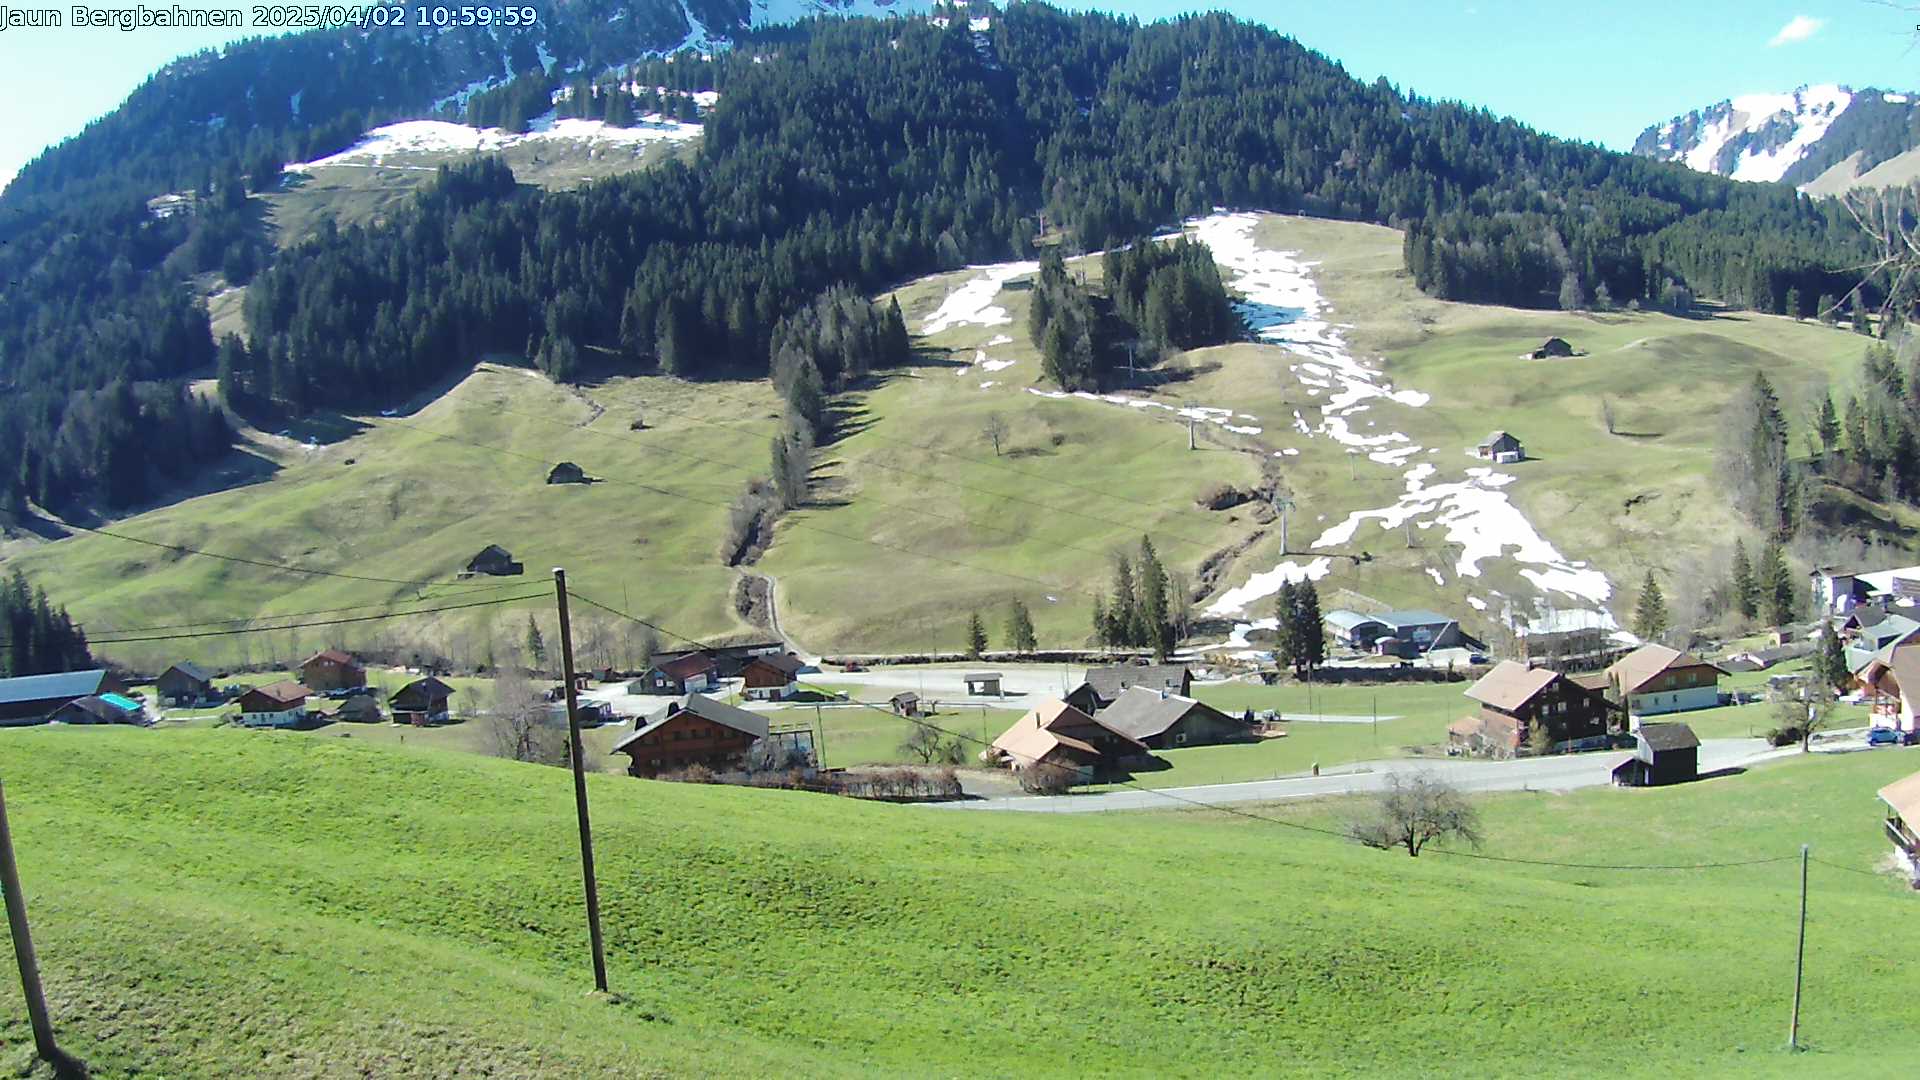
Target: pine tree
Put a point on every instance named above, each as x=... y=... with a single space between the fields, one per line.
x=1020 y=628
x=1828 y=312
x=1310 y=631
x=1102 y=636
x=1745 y=588
x=1832 y=661
x=1650 y=618
x=1777 y=592
x=1828 y=425
x=1859 y=322
x=1122 y=611
x=976 y=636
x=536 y=645
x=1287 y=645
x=1154 y=628
x=1793 y=304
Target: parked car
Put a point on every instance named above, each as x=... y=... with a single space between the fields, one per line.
x=1911 y=738
x=1883 y=736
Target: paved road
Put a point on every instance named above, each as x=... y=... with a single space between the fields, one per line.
x=1025 y=684
x=1562 y=773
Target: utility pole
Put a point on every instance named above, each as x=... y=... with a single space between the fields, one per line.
x=1800 y=956
x=580 y=786
x=23 y=943
x=1190 y=443
x=1283 y=505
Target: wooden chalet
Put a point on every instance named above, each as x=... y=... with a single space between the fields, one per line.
x=1891 y=683
x=495 y=561
x=700 y=732
x=771 y=678
x=1517 y=700
x=1104 y=685
x=331 y=669
x=1163 y=721
x=690 y=673
x=421 y=702
x=1902 y=798
x=1663 y=754
x=1655 y=679
x=185 y=683
x=283 y=704
x=1501 y=447
x=1056 y=733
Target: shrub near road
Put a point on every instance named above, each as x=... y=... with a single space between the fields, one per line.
x=232 y=902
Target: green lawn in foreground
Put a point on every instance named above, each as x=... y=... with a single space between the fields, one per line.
x=211 y=903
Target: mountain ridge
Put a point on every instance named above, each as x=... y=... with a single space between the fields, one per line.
x=1792 y=137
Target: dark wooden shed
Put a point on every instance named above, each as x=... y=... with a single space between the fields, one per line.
x=1664 y=754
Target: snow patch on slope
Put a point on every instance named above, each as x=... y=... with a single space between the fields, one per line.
x=421 y=137
x=972 y=303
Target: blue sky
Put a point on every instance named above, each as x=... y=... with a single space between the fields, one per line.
x=1589 y=71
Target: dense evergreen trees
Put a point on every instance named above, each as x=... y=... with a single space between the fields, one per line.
x=841 y=153
x=1171 y=293
x=1137 y=615
x=1302 y=632
x=40 y=638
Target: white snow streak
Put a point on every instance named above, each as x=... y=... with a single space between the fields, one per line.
x=440 y=137
x=972 y=303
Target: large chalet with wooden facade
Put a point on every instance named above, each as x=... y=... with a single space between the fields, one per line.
x=283 y=704
x=1654 y=679
x=331 y=669
x=1056 y=733
x=1164 y=721
x=1104 y=685
x=771 y=678
x=1891 y=683
x=421 y=702
x=692 y=673
x=701 y=732
x=1517 y=701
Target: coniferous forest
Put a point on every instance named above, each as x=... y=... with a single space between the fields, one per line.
x=843 y=153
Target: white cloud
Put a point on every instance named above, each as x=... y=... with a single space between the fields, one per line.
x=1798 y=28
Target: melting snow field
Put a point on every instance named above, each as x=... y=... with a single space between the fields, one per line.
x=972 y=303
x=440 y=137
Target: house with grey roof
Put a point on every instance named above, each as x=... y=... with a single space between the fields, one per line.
x=1163 y=721
x=31 y=699
x=1400 y=632
x=1104 y=685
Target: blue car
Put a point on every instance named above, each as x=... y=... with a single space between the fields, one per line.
x=1883 y=736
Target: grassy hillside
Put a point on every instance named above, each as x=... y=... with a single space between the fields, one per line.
x=916 y=521
x=213 y=902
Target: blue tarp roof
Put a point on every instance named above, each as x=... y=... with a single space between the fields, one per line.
x=119 y=702
x=65 y=684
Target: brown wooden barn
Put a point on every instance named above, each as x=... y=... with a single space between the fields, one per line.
x=771 y=678
x=701 y=732
x=331 y=669
x=1517 y=700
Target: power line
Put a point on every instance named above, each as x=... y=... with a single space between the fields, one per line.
x=1849 y=869
x=322 y=622
x=288 y=614
x=807 y=525
x=754 y=471
x=1221 y=808
x=935 y=478
x=182 y=549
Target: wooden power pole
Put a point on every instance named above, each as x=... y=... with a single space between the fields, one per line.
x=1800 y=956
x=580 y=786
x=23 y=943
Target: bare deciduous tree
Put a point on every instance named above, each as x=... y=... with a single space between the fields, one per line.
x=1414 y=810
x=522 y=725
x=995 y=430
x=1804 y=712
x=1606 y=414
x=1046 y=778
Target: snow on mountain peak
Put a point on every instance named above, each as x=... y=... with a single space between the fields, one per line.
x=1750 y=137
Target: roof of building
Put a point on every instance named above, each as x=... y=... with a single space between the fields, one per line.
x=1141 y=713
x=1904 y=796
x=1494 y=437
x=680 y=667
x=1346 y=620
x=1668 y=737
x=191 y=670
x=1034 y=735
x=1108 y=682
x=1903 y=660
x=429 y=689
x=286 y=692
x=330 y=656
x=705 y=708
x=784 y=663
x=1638 y=668
x=977 y=676
x=62 y=684
x=1415 y=617
x=904 y=697
x=101 y=708
x=1592 y=680
x=1510 y=684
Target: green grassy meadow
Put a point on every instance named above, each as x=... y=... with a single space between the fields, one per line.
x=232 y=904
